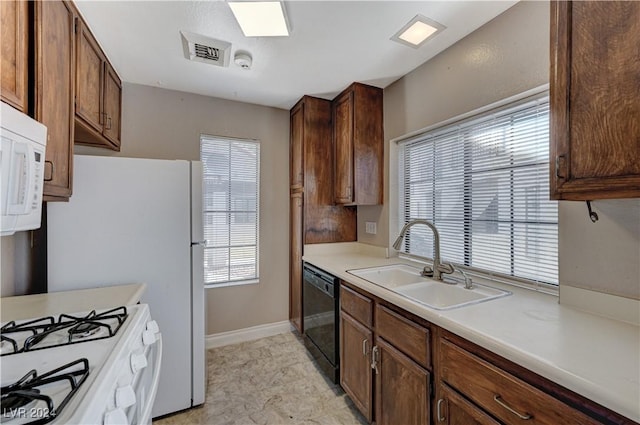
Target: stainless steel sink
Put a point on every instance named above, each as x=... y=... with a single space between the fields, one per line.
x=407 y=281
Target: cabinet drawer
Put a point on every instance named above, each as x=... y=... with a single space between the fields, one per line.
x=410 y=338
x=357 y=305
x=504 y=396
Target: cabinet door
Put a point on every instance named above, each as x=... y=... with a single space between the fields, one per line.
x=295 y=261
x=112 y=102
x=54 y=92
x=343 y=145
x=13 y=71
x=402 y=388
x=356 y=342
x=453 y=409
x=595 y=135
x=89 y=77
x=296 y=177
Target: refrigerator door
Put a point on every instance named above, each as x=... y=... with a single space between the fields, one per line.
x=197 y=285
x=129 y=221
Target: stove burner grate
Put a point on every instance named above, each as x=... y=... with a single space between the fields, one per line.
x=80 y=329
x=17 y=399
x=25 y=391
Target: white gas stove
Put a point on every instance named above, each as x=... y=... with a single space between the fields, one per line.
x=86 y=368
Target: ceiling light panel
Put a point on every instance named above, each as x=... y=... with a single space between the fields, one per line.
x=417 y=31
x=260 y=18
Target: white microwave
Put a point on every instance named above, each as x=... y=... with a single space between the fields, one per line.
x=22 y=155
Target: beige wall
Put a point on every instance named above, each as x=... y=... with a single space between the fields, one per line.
x=159 y=123
x=507 y=56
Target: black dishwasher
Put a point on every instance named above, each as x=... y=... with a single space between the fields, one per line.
x=320 y=303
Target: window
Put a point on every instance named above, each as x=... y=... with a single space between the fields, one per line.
x=484 y=182
x=231 y=187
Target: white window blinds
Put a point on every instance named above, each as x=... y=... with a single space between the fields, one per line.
x=484 y=183
x=231 y=173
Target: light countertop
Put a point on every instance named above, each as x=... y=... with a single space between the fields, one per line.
x=51 y=304
x=594 y=356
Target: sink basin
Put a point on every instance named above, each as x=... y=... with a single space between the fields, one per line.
x=445 y=296
x=406 y=281
x=391 y=276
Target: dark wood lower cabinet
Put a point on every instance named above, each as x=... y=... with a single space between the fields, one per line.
x=474 y=386
x=356 y=342
x=454 y=409
x=402 y=388
x=295 y=260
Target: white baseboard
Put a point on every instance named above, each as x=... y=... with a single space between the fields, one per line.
x=247 y=334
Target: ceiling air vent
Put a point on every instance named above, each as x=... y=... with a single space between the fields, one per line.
x=204 y=49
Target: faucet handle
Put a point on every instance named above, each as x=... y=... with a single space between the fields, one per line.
x=445 y=268
x=427 y=271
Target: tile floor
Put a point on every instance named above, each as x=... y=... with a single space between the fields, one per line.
x=268 y=381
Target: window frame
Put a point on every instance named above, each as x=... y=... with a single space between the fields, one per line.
x=204 y=138
x=397 y=212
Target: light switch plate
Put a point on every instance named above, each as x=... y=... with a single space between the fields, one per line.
x=371 y=227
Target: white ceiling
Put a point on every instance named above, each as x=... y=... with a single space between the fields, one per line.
x=332 y=44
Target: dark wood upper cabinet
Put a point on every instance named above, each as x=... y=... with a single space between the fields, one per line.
x=312 y=173
x=595 y=103
x=296 y=152
x=112 y=105
x=98 y=94
x=89 y=69
x=358 y=145
x=54 y=54
x=15 y=38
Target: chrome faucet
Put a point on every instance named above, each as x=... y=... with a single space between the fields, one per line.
x=438 y=266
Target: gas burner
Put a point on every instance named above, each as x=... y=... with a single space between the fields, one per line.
x=83 y=330
x=46 y=332
x=45 y=395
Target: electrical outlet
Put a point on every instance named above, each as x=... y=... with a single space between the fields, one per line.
x=371 y=227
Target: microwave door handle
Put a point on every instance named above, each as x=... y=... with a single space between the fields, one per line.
x=31 y=177
x=19 y=185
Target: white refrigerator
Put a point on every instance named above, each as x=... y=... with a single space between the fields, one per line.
x=140 y=220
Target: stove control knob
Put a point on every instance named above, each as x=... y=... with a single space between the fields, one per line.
x=125 y=396
x=153 y=326
x=148 y=337
x=115 y=417
x=138 y=362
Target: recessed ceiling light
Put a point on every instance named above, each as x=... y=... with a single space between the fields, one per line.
x=260 y=18
x=418 y=31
